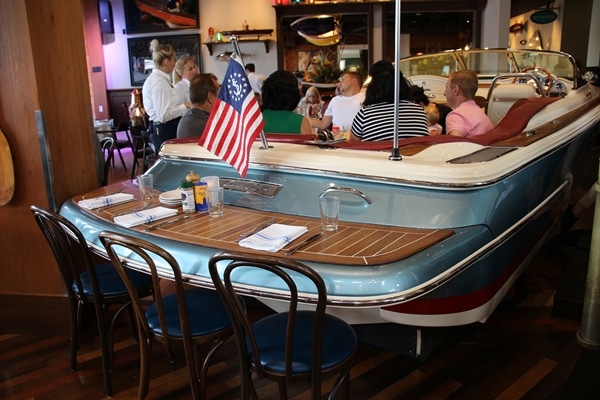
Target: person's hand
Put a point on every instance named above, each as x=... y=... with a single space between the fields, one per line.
x=188 y=104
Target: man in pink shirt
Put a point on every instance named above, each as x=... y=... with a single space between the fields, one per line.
x=467 y=118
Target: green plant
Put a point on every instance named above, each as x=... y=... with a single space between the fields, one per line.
x=323 y=68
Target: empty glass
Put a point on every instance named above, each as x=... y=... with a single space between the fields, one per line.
x=215 y=201
x=330 y=210
x=146 y=185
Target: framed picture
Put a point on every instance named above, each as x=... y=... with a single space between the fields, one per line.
x=140 y=56
x=143 y=16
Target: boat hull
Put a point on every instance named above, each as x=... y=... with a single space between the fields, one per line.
x=495 y=201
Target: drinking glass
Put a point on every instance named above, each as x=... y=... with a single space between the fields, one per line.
x=146 y=185
x=330 y=210
x=215 y=201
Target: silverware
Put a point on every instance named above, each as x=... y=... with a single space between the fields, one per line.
x=171 y=221
x=300 y=245
x=257 y=229
x=104 y=208
x=133 y=211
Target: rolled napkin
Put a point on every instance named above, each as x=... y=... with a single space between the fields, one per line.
x=144 y=216
x=274 y=237
x=103 y=201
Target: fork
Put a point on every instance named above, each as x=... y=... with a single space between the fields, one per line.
x=133 y=211
x=256 y=229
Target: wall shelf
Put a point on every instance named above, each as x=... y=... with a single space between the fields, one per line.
x=210 y=45
x=244 y=36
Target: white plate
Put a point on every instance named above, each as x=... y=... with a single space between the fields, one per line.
x=172 y=197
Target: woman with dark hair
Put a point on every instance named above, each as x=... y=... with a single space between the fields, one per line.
x=280 y=96
x=375 y=120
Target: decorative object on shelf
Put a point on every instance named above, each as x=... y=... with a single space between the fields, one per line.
x=323 y=67
x=321 y=30
x=245 y=26
x=242 y=36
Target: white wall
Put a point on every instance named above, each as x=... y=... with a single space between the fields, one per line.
x=495 y=23
x=593 y=58
x=550 y=33
x=221 y=15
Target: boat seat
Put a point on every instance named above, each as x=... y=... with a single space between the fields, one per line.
x=502 y=97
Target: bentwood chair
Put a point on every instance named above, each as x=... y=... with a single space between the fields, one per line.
x=192 y=317
x=142 y=152
x=87 y=284
x=122 y=143
x=288 y=346
x=108 y=147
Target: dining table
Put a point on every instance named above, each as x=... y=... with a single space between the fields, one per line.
x=352 y=245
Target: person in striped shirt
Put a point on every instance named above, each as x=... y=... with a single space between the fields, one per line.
x=375 y=120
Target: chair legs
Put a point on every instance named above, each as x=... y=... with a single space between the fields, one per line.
x=75 y=331
x=106 y=351
x=145 y=347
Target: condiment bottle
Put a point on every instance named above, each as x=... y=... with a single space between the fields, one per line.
x=192 y=177
x=200 y=196
x=187 y=197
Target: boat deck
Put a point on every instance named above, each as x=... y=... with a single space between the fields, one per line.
x=352 y=244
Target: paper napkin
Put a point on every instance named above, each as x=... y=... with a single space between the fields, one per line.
x=273 y=238
x=106 y=200
x=144 y=216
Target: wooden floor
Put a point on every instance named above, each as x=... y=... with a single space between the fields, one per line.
x=522 y=352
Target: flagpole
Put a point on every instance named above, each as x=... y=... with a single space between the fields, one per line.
x=236 y=49
x=395 y=155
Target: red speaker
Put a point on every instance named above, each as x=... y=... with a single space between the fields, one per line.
x=106 y=17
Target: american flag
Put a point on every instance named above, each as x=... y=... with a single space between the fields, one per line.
x=235 y=119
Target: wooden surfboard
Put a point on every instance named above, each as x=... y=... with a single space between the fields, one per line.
x=7 y=173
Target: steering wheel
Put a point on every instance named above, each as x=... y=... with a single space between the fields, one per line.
x=549 y=79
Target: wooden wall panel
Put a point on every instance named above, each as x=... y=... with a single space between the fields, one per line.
x=95 y=59
x=43 y=67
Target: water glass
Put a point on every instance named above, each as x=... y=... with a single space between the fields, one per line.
x=146 y=185
x=215 y=201
x=330 y=210
x=212 y=182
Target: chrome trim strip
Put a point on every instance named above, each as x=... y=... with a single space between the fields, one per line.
x=40 y=124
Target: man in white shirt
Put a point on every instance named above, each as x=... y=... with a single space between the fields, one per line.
x=256 y=80
x=342 y=108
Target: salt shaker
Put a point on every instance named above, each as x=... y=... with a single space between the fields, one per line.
x=188 y=204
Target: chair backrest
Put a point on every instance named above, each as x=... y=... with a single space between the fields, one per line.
x=123 y=126
x=503 y=96
x=70 y=250
x=151 y=258
x=108 y=147
x=230 y=285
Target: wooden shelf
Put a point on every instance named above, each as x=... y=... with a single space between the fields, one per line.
x=244 y=36
x=210 y=45
x=249 y=32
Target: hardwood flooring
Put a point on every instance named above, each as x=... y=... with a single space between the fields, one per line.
x=524 y=351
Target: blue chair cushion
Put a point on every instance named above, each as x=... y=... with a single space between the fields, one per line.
x=109 y=281
x=206 y=313
x=339 y=341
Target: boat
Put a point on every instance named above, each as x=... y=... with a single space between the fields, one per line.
x=434 y=238
x=176 y=14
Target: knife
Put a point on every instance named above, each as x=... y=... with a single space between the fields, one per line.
x=300 y=245
x=171 y=221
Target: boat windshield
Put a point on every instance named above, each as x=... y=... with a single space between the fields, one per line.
x=488 y=63
x=439 y=64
